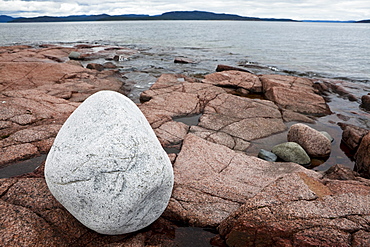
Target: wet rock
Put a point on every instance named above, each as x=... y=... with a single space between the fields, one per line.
x=109 y=65
x=365 y=102
x=95 y=66
x=339 y=89
x=291 y=152
x=362 y=157
x=56 y=53
x=294 y=93
x=75 y=55
x=107 y=168
x=327 y=135
x=99 y=52
x=13 y=153
x=118 y=54
x=212 y=181
x=291 y=116
x=300 y=210
x=222 y=67
x=120 y=58
x=343 y=117
x=311 y=140
x=326 y=86
x=183 y=60
x=233 y=78
x=352 y=135
x=266 y=155
x=340 y=172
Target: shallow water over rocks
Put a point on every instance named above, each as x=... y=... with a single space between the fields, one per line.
x=141 y=67
x=171 y=121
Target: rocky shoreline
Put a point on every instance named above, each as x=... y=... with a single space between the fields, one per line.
x=220 y=184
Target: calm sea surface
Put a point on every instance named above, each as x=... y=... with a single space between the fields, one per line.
x=333 y=50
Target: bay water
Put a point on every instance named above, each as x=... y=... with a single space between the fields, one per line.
x=335 y=50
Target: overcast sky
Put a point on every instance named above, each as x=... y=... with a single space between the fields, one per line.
x=294 y=9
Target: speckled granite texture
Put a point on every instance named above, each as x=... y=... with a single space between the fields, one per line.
x=107 y=168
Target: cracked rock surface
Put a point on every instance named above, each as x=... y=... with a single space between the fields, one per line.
x=250 y=201
x=31 y=216
x=212 y=181
x=294 y=93
x=299 y=210
x=39 y=89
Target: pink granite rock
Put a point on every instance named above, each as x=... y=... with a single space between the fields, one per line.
x=16 y=152
x=212 y=181
x=294 y=93
x=362 y=157
x=235 y=78
x=30 y=216
x=223 y=67
x=352 y=135
x=311 y=140
x=256 y=202
x=221 y=122
x=251 y=119
x=299 y=210
x=39 y=89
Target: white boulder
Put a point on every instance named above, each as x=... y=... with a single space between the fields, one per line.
x=107 y=167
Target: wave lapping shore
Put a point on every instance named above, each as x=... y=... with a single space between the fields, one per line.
x=220 y=184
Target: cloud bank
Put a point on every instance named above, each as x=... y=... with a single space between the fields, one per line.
x=294 y=9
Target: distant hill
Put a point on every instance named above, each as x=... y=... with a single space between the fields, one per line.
x=102 y=17
x=363 y=21
x=126 y=18
x=200 y=15
x=61 y=19
x=174 y=15
x=328 y=21
x=5 y=18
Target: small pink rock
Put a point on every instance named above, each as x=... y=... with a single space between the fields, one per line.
x=312 y=141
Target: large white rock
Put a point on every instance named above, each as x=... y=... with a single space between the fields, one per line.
x=107 y=168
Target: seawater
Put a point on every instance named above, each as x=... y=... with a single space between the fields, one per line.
x=334 y=50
